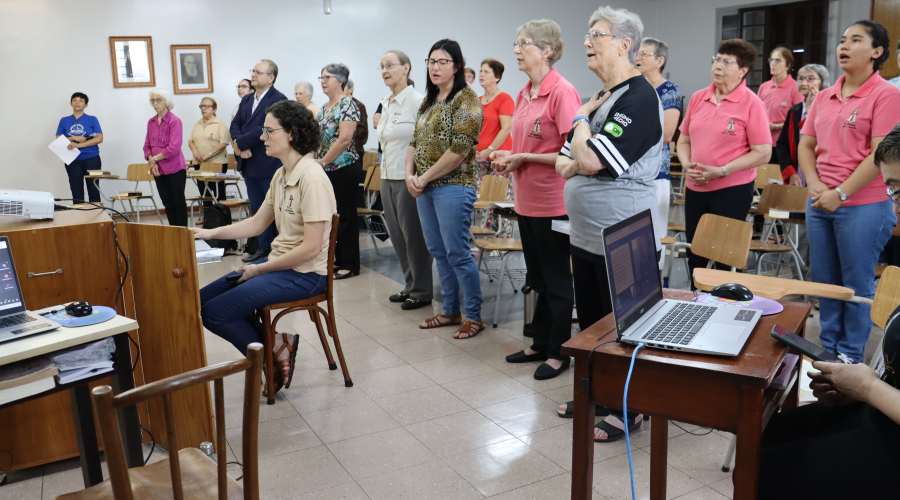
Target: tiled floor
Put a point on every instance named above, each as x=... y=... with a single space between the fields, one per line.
x=428 y=417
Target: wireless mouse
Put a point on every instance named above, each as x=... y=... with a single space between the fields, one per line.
x=79 y=309
x=732 y=291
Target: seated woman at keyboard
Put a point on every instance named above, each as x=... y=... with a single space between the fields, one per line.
x=301 y=202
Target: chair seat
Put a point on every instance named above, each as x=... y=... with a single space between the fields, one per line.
x=126 y=198
x=501 y=244
x=481 y=231
x=200 y=198
x=234 y=203
x=322 y=297
x=198 y=473
x=667 y=240
x=678 y=202
x=677 y=228
x=368 y=211
x=761 y=246
x=676 y=174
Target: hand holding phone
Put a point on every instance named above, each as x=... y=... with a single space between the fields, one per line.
x=806 y=347
x=233 y=279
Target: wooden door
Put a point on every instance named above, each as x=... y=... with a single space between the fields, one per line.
x=887 y=12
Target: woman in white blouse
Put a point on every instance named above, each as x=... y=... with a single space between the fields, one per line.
x=395 y=131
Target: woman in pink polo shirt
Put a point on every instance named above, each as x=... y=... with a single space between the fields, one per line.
x=724 y=137
x=848 y=219
x=779 y=93
x=162 y=149
x=544 y=112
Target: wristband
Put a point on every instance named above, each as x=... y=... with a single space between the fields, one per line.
x=580 y=119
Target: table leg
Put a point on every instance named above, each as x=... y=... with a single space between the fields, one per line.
x=582 y=439
x=129 y=422
x=86 y=434
x=97 y=185
x=749 y=430
x=659 y=451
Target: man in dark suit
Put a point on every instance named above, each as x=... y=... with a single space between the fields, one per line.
x=246 y=129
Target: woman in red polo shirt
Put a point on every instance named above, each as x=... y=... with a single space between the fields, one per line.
x=543 y=117
x=848 y=219
x=497 y=107
x=724 y=137
x=779 y=93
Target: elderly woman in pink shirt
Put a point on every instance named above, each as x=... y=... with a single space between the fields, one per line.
x=162 y=149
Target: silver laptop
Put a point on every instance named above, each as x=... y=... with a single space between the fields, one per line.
x=15 y=321
x=643 y=316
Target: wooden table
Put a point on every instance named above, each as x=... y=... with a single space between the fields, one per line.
x=769 y=287
x=725 y=393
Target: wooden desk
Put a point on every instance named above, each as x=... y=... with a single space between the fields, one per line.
x=769 y=287
x=79 y=391
x=725 y=393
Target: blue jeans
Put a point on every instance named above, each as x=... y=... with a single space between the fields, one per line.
x=257 y=189
x=446 y=214
x=76 y=171
x=843 y=250
x=227 y=308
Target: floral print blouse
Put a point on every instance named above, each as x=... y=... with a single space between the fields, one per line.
x=449 y=125
x=329 y=122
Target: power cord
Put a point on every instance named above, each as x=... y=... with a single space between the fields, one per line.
x=586 y=387
x=710 y=429
x=239 y=465
x=625 y=412
x=152 y=446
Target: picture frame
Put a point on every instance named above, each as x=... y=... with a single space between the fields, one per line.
x=192 y=69
x=132 y=61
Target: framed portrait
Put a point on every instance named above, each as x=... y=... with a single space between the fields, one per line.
x=132 y=61
x=192 y=69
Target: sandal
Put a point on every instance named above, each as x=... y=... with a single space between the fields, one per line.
x=469 y=329
x=287 y=365
x=613 y=433
x=441 y=320
x=278 y=381
x=600 y=411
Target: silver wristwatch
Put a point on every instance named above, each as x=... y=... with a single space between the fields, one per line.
x=841 y=193
x=724 y=171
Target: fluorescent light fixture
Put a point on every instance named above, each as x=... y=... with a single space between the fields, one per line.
x=327 y=5
x=795 y=50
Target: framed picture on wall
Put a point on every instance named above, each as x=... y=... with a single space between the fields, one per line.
x=132 y=61
x=192 y=69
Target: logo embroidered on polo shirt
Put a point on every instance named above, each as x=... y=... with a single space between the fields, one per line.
x=537 y=126
x=613 y=129
x=784 y=102
x=852 y=118
x=289 y=209
x=729 y=130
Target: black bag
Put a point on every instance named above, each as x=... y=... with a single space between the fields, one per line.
x=218 y=215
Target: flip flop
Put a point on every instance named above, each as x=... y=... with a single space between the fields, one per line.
x=613 y=433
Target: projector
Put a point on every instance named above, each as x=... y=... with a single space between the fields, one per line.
x=31 y=204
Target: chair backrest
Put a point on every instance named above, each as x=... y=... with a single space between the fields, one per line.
x=232 y=163
x=139 y=172
x=105 y=404
x=781 y=197
x=209 y=166
x=493 y=188
x=373 y=178
x=723 y=240
x=767 y=174
x=332 y=243
x=369 y=160
x=887 y=296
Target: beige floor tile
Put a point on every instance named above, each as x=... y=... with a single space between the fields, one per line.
x=485 y=390
x=374 y=319
x=395 y=334
x=301 y=324
x=450 y=368
x=421 y=404
x=312 y=399
x=352 y=341
x=612 y=478
x=495 y=354
x=374 y=358
x=350 y=491
x=700 y=457
x=424 y=349
x=642 y=437
x=556 y=444
x=431 y=481
x=380 y=453
x=234 y=410
x=488 y=337
x=458 y=433
x=358 y=305
x=525 y=415
x=317 y=374
x=725 y=487
x=277 y=437
x=350 y=421
x=557 y=487
x=418 y=316
x=27 y=489
x=306 y=471
x=502 y=467
x=524 y=373
x=394 y=380
x=61 y=482
x=561 y=395
x=705 y=493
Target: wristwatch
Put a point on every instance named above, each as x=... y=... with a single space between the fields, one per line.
x=491 y=148
x=724 y=171
x=841 y=193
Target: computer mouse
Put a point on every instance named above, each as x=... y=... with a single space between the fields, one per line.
x=79 y=309
x=732 y=291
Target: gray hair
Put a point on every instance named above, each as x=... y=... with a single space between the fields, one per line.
x=820 y=70
x=307 y=85
x=350 y=84
x=165 y=94
x=660 y=49
x=623 y=24
x=544 y=33
x=340 y=72
x=273 y=68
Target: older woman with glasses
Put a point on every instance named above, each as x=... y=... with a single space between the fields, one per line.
x=779 y=93
x=208 y=141
x=810 y=80
x=303 y=92
x=339 y=158
x=162 y=149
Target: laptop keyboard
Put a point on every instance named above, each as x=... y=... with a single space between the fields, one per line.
x=680 y=324
x=16 y=319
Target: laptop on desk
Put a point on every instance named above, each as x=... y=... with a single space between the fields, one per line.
x=643 y=316
x=15 y=321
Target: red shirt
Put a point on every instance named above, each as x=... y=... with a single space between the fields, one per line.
x=778 y=100
x=719 y=134
x=490 y=126
x=540 y=126
x=844 y=130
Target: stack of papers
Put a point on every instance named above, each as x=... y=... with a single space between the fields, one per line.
x=228 y=176
x=206 y=254
x=85 y=361
x=499 y=204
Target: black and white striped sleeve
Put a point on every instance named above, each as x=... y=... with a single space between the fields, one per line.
x=567 y=147
x=631 y=128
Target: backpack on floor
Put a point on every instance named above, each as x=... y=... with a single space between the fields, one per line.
x=218 y=215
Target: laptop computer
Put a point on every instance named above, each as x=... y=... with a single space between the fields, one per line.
x=15 y=321
x=643 y=316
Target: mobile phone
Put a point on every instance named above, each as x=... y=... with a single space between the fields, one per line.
x=804 y=346
x=233 y=278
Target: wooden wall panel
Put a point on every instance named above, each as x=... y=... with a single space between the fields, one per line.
x=887 y=12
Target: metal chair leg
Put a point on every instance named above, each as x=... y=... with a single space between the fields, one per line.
x=500 y=286
x=729 y=455
x=155 y=207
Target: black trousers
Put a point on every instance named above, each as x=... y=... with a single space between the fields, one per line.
x=171 y=192
x=345 y=181
x=732 y=202
x=76 y=172
x=547 y=259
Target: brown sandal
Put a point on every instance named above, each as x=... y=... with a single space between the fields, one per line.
x=287 y=365
x=469 y=329
x=441 y=320
x=276 y=379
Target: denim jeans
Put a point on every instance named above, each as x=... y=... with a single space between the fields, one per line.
x=446 y=214
x=227 y=308
x=843 y=249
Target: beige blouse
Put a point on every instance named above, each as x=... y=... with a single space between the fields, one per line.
x=206 y=137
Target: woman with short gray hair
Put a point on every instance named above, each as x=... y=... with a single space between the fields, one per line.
x=162 y=149
x=303 y=92
x=810 y=80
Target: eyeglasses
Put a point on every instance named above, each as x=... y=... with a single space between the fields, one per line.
x=440 y=62
x=522 y=45
x=727 y=63
x=242 y=87
x=893 y=195
x=157 y=100
x=775 y=60
x=259 y=73
x=594 y=36
x=388 y=66
x=809 y=79
x=642 y=54
x=267 y=131
x=324 y=79
x=206 y=106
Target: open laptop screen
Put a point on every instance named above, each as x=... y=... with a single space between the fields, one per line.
x=10 y=293
x=632 y=268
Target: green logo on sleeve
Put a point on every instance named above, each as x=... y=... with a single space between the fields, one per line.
x=613 y=129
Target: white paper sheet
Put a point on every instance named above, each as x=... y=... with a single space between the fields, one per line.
x=201 y=245
x=503 y=205
x=61 y=148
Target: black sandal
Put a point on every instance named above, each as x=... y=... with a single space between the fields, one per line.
x=614 y=433
x=600 y=411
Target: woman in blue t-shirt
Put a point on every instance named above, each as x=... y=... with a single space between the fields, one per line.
x=651 y=61
x=84 y=133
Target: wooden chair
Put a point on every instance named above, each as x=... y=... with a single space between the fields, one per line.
x=206 y=195
x=311 y=305
x=232 y=166
x=790 y=199
x=767 y=175
x=374 y=219
x=138 y=173
x=723 y=240
x=493 y=189
x=369 y=160
x=188 y=472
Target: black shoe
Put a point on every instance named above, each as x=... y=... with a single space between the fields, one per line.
x=344 y=276
x=412 y=303
x=545 y=371
x=258 y=255
x=521 y=357
x=400 y=297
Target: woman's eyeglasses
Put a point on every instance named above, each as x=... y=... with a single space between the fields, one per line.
x=206 y=106
x=775 y=60
x=644 y=54
x=810 y=79
x=440 y=62
x=157 y=100
x=242 y=87
x=594 y=36
x=522 y=44
x=324 y=79
x=894 y=195
x=726 y=63
x=267 y=131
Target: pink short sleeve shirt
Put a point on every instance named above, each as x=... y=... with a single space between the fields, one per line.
x=719 y=134
x=844 y=129
x=778 y=100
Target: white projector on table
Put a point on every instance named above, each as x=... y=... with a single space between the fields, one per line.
x=31 y=204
